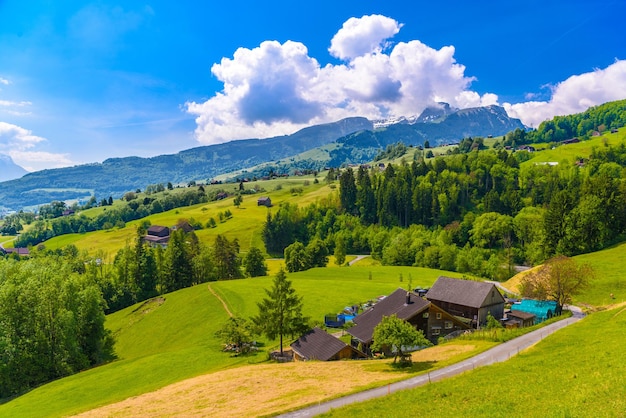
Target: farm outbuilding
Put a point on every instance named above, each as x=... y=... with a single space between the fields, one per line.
x=519 y=319
x=317 y=344
x=264 y=201
x=542 y=309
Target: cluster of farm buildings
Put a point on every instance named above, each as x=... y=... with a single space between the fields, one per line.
x=449 y=308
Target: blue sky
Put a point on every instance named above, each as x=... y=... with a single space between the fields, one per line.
x=84 y=81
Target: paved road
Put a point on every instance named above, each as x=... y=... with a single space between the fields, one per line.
x=497 y=354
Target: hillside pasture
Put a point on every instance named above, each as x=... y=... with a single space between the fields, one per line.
x=576 y=372
x=245 y=225
x=582 y=149
x=165 y=341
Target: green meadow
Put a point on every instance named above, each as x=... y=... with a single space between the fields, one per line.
x=582 y=149
x=245 y=225
x=170 y=339
x=576 y=372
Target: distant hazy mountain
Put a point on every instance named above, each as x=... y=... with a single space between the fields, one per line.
x=9 y=170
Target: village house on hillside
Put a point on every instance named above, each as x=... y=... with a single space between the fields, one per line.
x=157 y=236
x=22 y=252
x=406 y=305
x=264 y=201
x=319 y=345
x=468 y=299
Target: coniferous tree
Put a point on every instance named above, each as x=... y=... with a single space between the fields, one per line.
x=254 y=263
x=280 y=313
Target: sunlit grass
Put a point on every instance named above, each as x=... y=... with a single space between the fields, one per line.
x=574 y=372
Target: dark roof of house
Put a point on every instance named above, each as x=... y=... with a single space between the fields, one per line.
x=396 y=304
x=18 y=251
x=185 y=226
x=158 y=230
x=521 y=315
x=461 y=292
x=317 y=344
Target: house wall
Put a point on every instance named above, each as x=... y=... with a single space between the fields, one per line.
x=458 y=310
x=497 y=311
x=441 y=323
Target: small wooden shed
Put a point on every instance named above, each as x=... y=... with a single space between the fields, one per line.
x=317 y=344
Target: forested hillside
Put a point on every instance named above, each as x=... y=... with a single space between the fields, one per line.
x=597 y=119
x=482 y=212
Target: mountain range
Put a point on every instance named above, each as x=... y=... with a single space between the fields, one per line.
x=351 y=140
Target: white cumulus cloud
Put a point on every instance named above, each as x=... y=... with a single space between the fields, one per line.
x=361 y=36
x=574 y=95
x=275 y=88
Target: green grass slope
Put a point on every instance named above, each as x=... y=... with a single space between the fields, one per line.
x=245 y=225
x=165 y=341
x=577 y=372
x=572 y=152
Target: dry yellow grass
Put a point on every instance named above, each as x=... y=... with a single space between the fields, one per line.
x=258 y=390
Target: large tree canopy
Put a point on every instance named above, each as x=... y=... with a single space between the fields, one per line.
x=395 y=334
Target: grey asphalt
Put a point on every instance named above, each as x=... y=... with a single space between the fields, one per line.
x=497 y=354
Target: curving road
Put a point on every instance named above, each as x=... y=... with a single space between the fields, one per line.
x=497 y=354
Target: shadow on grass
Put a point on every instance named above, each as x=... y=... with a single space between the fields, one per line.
x=405 y=368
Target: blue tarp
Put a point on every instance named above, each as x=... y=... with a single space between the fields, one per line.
x=542 y=309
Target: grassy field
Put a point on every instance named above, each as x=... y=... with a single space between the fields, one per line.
x=577 y=372
x=245 y=225
x=169 y=340
x=571 y=152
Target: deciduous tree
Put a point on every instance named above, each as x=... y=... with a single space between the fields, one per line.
x=558 y=279
x=394 y=334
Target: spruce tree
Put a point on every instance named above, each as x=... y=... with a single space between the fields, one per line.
x=280 y=313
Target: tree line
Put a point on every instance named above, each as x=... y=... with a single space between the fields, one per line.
x=140 y=271
x=51 y=322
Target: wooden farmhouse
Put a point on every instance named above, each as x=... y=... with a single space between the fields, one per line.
x=468 y=299
x=406 y=305
x=157 y=236
x=317 y=344
x=264 y=201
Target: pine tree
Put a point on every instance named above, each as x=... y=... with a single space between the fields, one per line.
x=280 y=313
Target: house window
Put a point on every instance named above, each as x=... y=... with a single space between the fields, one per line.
x=448 y=324
x=436 y=331
x=438 y=315
x=425 y=315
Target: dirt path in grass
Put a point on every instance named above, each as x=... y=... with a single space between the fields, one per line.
x=266 y=389
x=221 y=300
